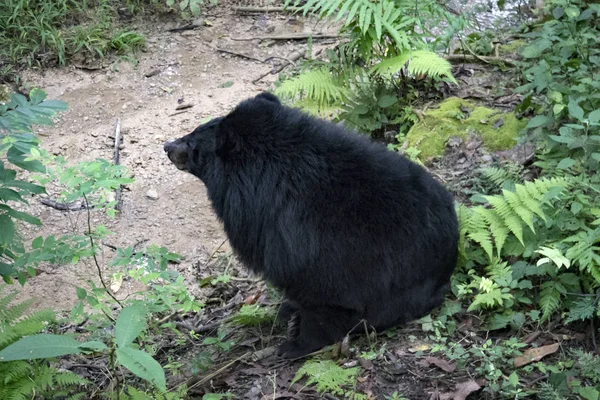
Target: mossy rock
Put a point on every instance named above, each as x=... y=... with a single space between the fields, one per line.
x=511 y=48
x=437 y=126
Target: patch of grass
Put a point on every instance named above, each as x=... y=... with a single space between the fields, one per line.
x=51 y=32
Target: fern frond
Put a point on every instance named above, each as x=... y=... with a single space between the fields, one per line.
x=29 y=325
x=510 y=211
x=498 y=229
x=318 y=86
x=498 y=176
x=420 y=62
x=327 y=376
x=13 y=371
x=478 y=231
x=384 y=16
x=549 y=299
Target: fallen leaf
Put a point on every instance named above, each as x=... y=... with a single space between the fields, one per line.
x=420 y=347
x=251 y=299
x=345 y=347
x=464 y=389
x=116 y=283
x=535 y=354
x=438 y=362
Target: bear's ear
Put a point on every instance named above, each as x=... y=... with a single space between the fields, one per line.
x=268 y=96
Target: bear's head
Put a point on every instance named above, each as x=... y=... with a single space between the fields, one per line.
x=220 y=136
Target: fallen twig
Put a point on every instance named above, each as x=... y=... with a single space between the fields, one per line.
x=184 y=106
x=241 y=55
x=291 y=59
x=188 y=27
x=484 y=59
x=265 y=9
x=296 y=36
x=116 y=161
x=178 y=112
x=152 y=73
x=74 y=206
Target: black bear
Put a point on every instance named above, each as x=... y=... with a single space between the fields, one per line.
x=349 y=230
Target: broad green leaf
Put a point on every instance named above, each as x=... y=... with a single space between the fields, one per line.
x=81 y=293
x=566 y=163
x=6 y=269
x=24 y=217
x=36 y=96
x=93 y=346
x=130 y=323
x=589 y=393
x=29 y=187
x=40 y=346
x=7 y=230
x=37 y=243
x=142 y=365
x=386 y=101
x=536 y=48
x=538 y=121
x=7 y=195
x=575 y=110
x=514 y=379
x=17 y=157
x=594 y=117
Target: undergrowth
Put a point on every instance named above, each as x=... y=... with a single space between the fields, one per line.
x=43 y=33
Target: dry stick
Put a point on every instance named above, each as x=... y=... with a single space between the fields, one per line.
x=295 y=56
x=74 y=206
x=116 y=161
x=265 y=9
x=217 y=372
x=240 y=55
x=484 y=59
x=89 y=223
x=297 y=36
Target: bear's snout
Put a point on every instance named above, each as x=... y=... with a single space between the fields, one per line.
x=177 y=153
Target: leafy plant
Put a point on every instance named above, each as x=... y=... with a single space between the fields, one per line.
x=129 y=325
x=23 y=379
x=17 y=142
x=328 y=377
x=367 y=82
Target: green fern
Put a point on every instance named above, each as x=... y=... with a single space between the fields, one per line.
x=549 y=299
x=316 y=87
x=20 y=379
x=384 y=17
x=420 y=62
x=490 y=227
x=328 y=376
x=585 y=251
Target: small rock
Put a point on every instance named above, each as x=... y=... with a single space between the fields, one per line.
x=152 y=194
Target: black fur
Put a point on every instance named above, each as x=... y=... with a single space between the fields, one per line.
x=346 y=228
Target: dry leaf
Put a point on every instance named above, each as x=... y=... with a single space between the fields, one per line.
x=420 y=347
x=345 y=347
x=464 y=389
x=438 y=362
x=116 y=282
x=535 y=354
x=251 y=299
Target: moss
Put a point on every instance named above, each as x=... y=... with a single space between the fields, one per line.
x=511 y=48
x=437 y=126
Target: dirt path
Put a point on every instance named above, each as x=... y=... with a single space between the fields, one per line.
x=191 y=72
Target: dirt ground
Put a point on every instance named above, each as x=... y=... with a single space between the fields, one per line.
x=164 y=206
